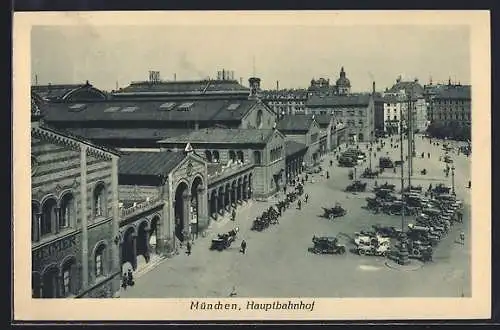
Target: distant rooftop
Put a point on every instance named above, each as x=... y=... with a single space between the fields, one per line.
x=339 y=100
x=295 y=123
x=191 y=87
x=221 y=135
x=149 y=163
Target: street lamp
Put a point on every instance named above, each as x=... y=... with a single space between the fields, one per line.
x=370 y=159
x=403 y=255
x=453 y=179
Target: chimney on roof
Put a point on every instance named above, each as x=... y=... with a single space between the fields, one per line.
x=87 y=83
x=241 y=81
x=373 y=87
x=188 y=148
x=277 y=85
x=175 y=76
x=36 y=80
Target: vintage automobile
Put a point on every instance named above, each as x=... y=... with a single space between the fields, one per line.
x=356 y=186
x=345 y=161
x=441 y=189
x=385 y=186
x=223 y=241
x=385 y=194
x=387 y=231
x=334 y=212
x=385 y=162
x=374 y=249
x=326 y=245
x=370 y=174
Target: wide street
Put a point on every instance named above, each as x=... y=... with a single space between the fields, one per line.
x=278 y=264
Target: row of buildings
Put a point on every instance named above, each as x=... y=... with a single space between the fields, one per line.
x=122 y=179
x=367 y=113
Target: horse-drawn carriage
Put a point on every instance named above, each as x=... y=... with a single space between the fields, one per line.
x=356 y=186
x=334 y=212
x=268 y=217
x=326 y=245
x=223 y=241
x=369 y=173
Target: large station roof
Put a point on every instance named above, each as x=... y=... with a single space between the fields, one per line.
x=149 y=163
x=221 y=135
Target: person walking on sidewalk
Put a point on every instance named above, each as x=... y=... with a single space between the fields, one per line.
x=462 y=237
x=243 y=246
x=233 y=215
x=130 y=278
x=188 y=248
x=124 y=281
x=306 y=198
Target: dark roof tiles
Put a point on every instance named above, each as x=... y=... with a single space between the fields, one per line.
x=292 y=147
x=186 y=110
x=149 y=163
x=295 y=123
x=221 y=135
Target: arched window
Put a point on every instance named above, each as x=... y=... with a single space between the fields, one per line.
x=48 y=219
x=100 y=260
x=240 y=156
x=257 y=157
x=99 y=200
x=35 y=210
x=216 y=156
x=258 y=120
x=208 y=155
x=67 y=211
x=68 y=278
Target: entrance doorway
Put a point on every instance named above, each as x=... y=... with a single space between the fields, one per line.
x=181 y=194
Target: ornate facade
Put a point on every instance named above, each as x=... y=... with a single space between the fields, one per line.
x=74 y=217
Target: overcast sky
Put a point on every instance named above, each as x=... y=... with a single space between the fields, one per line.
x=293 y=55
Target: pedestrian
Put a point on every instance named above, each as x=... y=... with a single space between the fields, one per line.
x=469 y=184
x=233 y=292
x=306 y=198
x=124 y=281
x=243 y=246
x=188 y=248
x=327 y=175
x=233 y=215
x=284 y=190
x=428 y=155
x=430 y=187
x=331 y=162
x=307 y=177
x=462 y=237
x=299 y=204
x=130 y=278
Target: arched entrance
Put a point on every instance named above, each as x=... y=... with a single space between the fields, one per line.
x=250 y=189
x=213 y=203
x=181 y=209
x=35 y=285
x=153 y=234
x=239 y=196
x=196 y=207
x=234 y=191
x=129 y=248
x=220 y=202
x=143 y=241
x=50 y=283
x=245 y=188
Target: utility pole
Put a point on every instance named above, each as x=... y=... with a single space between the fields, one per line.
x=409 y=135
x=403 y=257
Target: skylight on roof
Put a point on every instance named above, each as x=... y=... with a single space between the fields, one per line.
x=112 y=109
x=77 y=107
x=233 y=106
x=167 y=106
x=185 y=106
x=129 y=109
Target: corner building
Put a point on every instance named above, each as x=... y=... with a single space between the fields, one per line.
x=74 y=216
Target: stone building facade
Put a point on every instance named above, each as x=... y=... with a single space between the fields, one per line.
x=74 y=216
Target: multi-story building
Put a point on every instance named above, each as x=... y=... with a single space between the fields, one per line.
x=285 y=102
x=75 y=218
x=305 y=130
x=398 y=99
x=262 y=149
x=450 y=106
x=355 y=111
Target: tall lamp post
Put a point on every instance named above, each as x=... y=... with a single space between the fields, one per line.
x=370 y=158
x=453 y=179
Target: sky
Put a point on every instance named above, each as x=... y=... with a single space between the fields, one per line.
x=108 y=56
